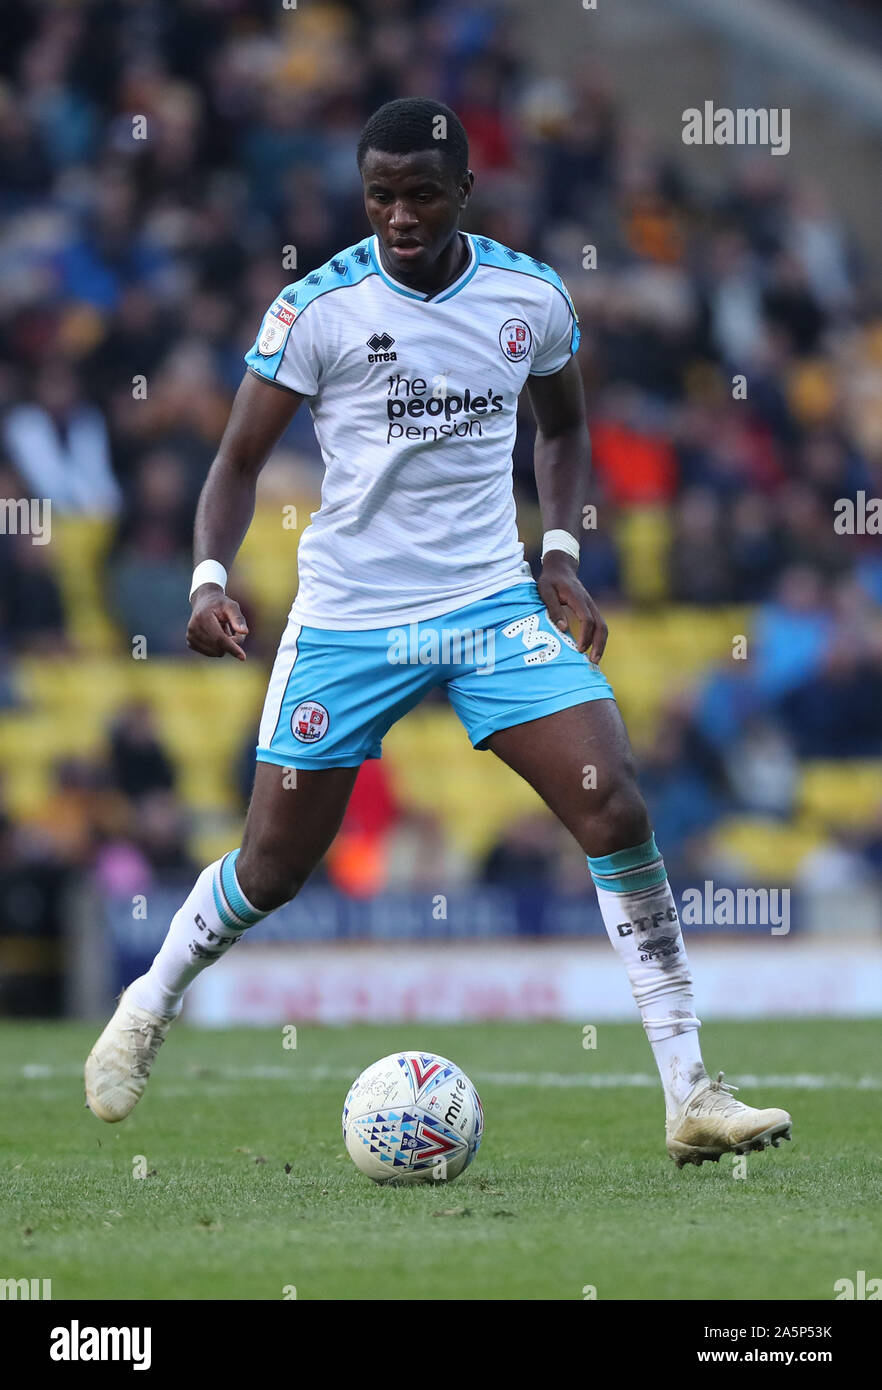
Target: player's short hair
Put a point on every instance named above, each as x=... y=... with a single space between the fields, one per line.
x=409 y=125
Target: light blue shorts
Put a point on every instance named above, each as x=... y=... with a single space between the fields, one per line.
x=333 y=695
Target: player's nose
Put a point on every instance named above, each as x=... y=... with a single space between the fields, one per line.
x=402 y=218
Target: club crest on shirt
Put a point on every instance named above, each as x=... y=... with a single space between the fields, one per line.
x=279 y=318
x=309 y=722
x=515 y=339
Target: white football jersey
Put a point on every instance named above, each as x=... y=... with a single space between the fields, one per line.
x=414 y=401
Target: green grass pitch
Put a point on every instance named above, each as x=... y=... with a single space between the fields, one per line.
x=251 y=1191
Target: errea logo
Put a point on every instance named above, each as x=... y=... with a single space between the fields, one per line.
x=379 y=344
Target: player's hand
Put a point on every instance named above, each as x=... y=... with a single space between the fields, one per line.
x=560 y=589
x=215 y=623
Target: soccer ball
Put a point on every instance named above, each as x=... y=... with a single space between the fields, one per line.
x=412 y=1117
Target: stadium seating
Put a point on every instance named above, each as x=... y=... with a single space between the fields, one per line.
x=206 y=712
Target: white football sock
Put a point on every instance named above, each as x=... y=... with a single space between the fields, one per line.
x=641 y=921
x=211 y=921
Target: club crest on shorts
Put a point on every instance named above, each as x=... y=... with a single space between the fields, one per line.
x=515 y=339
x=279 y=318
x=309 y=722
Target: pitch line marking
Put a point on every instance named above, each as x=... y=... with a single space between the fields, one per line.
x=799 y=1081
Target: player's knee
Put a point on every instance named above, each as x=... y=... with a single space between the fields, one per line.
x=267 y=879
x=616 y=819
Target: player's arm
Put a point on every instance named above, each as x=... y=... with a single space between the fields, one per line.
x=260 y=415
x=562 y=465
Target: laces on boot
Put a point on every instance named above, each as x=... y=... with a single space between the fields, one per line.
x=718 y=1095
x=146 y=1049
x=719 y=1084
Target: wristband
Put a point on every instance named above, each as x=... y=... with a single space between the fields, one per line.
x=208 y=572
x=560 y=540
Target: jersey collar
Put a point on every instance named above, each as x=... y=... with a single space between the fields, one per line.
x=447 y=293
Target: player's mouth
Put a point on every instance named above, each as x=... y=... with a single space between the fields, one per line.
x=406 y=249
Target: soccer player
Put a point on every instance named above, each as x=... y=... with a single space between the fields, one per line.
x=411 y=349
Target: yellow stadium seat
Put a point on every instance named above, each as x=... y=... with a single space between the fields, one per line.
x=214 y=840
x=205 y=712
x=266 y=565
x=433 y=767
x=841 y=794
x=770 y=850
x=644 y=535
x=79 y=547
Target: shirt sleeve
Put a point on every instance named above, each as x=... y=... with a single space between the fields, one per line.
x=286 y=350
x=561 y=338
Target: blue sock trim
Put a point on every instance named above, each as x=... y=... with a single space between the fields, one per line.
x=235 y=899
x=637 y=857
x=222 y=910
x=629 y=870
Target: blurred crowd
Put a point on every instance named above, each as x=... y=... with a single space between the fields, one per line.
x=732 y=357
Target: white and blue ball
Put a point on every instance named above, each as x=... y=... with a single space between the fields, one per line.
x=412 y=1117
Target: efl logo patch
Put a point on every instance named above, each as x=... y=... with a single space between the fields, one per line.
x=309 y=722
x=515 y=339
x=279 y=318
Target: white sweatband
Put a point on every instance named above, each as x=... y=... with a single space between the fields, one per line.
x=208 y=572
x=560 y=540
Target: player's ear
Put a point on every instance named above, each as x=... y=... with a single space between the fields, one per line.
x=466 y=188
